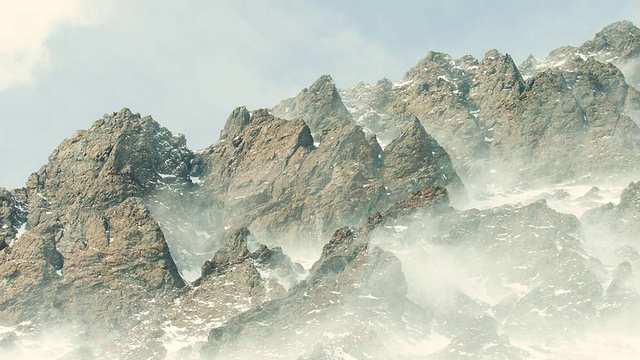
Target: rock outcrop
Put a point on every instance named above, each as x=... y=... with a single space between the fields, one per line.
x=271 y=177
x=352 y=289
x=92 y=252
x=358 y=290
x=618 y=44
x=320 y=106
x=498 y=127
x=243 y=274
x=535 y=273
x=414 y=160
x=13 y=214
x=621 y=221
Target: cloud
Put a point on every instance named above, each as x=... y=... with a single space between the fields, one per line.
x=25 y=27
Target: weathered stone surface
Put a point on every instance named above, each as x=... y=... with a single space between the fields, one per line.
x=367 y=104
x=92 y=252
x=618 y=44
x=13 y=214
x=497 y=127
x=414 y=160
x=353 y=285
x=234 y=281
x=272 y=178
x=319 y=106
x=238 y=120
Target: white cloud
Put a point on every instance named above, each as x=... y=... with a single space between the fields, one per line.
x=26 y=25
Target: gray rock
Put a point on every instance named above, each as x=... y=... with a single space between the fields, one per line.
x=233 y=282
x=92 y=251
x=13 y=214
x=618 y=44
x=320 y=106
x=621 y=301
x=272 y=178
x=497 y=127
x=414 y=160
x=509 y=248
x=238 y=120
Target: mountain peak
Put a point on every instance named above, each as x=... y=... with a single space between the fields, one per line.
x=617 y=42
x=320 y=106
x=433 y=62
x=623 y=27
x=497 y=73
x=414 y=130
x=434 y=56
x=238 y=120
x=529 y=66
x=416 y=154
x=323 y=80
x=492 y=54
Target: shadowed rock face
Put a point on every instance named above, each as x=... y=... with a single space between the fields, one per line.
x=413 y=160
x=92 y=252
x=270 y=176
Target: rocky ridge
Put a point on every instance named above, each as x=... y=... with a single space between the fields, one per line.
x=95 y=257
x=272 y=178
x=351 y=282
x=621 y=220
x=618 y=44
x=13 y=215
x=496 y=125
x=320 y=106
x=102 y=237
x=92 y=251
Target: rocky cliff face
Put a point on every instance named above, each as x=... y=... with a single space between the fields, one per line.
x=358 y=290
x=351 y=281
x=241 y=275
x=495 y=124
x=320 y=106
x=13 y=215
x=271 y=177
x=92 y=252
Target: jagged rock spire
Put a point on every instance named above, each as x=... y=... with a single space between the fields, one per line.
x=320 y=106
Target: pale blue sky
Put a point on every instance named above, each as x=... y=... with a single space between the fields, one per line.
x=190 y=63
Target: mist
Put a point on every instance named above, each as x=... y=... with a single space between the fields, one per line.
x=497 y=217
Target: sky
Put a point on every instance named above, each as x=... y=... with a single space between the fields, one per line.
x=188 y=64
